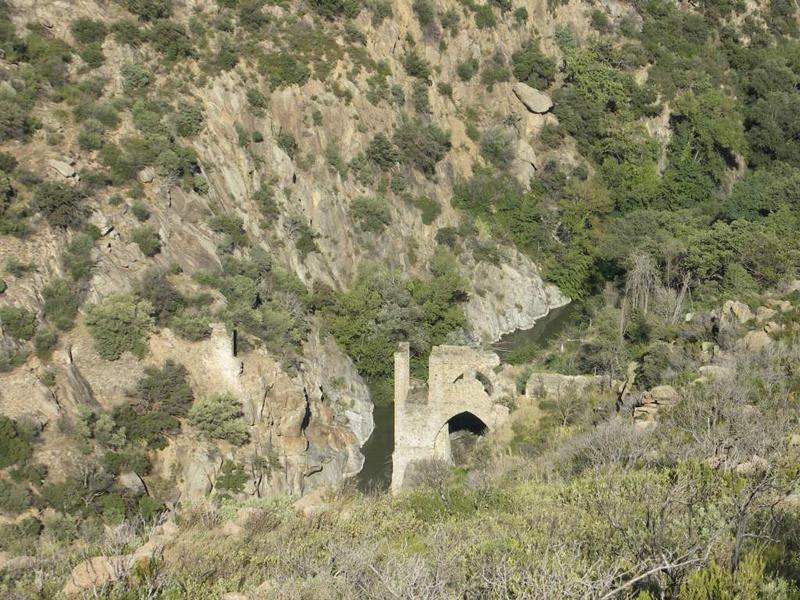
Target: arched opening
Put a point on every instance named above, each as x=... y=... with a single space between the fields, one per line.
x=466 y=422
x=464 y=430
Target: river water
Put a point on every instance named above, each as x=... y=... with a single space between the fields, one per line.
x=377 y=471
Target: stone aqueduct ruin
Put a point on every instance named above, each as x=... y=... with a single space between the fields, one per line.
x=462 y=392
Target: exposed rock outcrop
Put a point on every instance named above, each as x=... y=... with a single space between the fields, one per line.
x=509 y=296
x=547 y=385
x=534 y=100
x=661 y=397
x=62 y=168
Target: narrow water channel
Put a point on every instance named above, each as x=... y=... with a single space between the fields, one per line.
x=377 y=471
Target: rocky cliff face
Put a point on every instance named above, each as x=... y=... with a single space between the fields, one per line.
x=310 y=417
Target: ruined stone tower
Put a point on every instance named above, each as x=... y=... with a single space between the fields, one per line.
x=461 y=381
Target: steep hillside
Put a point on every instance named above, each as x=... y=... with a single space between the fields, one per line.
x=232 y=163
x=218 y=218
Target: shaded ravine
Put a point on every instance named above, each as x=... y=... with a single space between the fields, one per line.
x=377 y=471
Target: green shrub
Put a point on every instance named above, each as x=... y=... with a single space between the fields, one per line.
x=61 y=204
x=10 y=359
x=20 y=538
x=231 y=478
x=15 y=443
x=450 y=21
x=330 y=9
x=371 y=213
x=16 y=268
x=421 y=145
x=44 y=341
x=473 y=132
x=78 y=258
x=60 y=304
x=282 y=69
x=164 y=299
x=256 y=99
x=189 y=120
x=264 y=197
x=91 y=135
x=447 y=236
x=191 y=327
x=445 y=89
x=14 y=498
x=148 y=240
x=172 y=40
x=227 y=56
x=334 y=158
x=166 y=389
x=119 y=324
x=425 y=12
x=305 y=240
x=494 y=71
x=600 y=21
x=532 y=66
x=430 y=209
x=382 y=152
x=416 y=66
x=287 y=143
x=140 y=211
x=498 y=146
x=419 y=97
x=17 y=322
x=382 y=308
x=3 y=286
x=521 y=15
x=381 y=9
x=15 y=123
x=219 y=417
x=484 y=17
x=232 y=226
x=88 y=31
x=7 y=162
x=92 y=55
x=135 y=77
x=150 y=10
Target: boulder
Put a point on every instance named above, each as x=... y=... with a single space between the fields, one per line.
x=266 y=591
x=754 y=341
x=234 y=596
x=96 y=572
x=547 y=385
x=159 y=538
x=764 y=314
x=526 y=154
x=147 y=175
x=664 y=395
x=781 y=305
x=131 y=481
x=62 y=168
x=231 y=529
x=755 y=465
x=534 y=100
x=10 y=564
x=312 y=503
x=736 y=311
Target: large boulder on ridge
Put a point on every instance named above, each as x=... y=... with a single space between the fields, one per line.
x=535 y=101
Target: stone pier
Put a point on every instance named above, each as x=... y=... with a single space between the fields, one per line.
x=460 y=380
